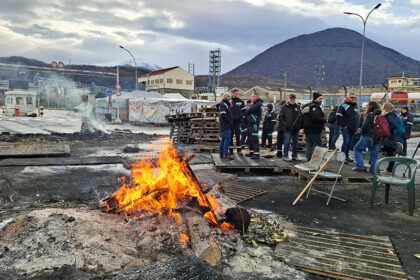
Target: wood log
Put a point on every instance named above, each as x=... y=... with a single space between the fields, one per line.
x=202 y=241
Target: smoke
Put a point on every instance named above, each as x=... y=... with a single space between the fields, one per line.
x=57 y=91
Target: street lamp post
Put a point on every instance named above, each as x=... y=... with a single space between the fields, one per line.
x=363 y=48
x=135 y=64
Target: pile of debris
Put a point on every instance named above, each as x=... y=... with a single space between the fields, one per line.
x=198 y=128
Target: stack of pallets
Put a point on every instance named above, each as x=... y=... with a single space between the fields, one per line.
x=181 y=127
x=206 y=129
x=198 y=128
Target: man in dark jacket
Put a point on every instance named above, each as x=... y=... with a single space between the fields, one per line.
x=253 y=118
x=280 y=134
x=244 y=127
x=333 y=127
x=313 y=123
x=348 y=118
x=269 y=123
x=225 y=123
x=408 y=120
x=288 y=115
x=236 y=105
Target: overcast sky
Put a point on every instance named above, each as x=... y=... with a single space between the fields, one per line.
x=175 y=32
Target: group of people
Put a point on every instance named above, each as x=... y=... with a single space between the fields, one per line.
x=363 y=132
x=241 y=120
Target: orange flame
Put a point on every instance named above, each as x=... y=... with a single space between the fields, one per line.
x=162 y=185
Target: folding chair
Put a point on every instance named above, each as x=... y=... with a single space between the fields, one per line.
x=340 y=158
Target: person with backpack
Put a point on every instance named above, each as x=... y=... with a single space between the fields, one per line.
x=288 y=115
x=226 y=124
x=269 y=123
x=333 y=127
x=280 y=133
x=313 y=123
x=389 y=144
x=253 y=118
x=368 y=139
x=348 y=118
x=236 y=105
x=408 y=120
x=244 y=128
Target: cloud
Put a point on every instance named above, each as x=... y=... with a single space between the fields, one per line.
x=170 y=33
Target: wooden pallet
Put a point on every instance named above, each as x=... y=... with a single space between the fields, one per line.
x=200 y=148
x=342 y=255
x=245 y=164
x=239 y=193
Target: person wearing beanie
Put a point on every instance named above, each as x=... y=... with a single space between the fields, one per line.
x=288 y=115
x=348 y=118
x=268 y=126
x=253 y=118
x=408 y=120
x=226 y=124
x=313 y=123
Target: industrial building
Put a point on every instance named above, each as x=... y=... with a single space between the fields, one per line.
x=169 y=80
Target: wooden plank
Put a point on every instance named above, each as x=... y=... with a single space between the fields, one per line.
x=344 y=256
x=35 y=150
x=59 y=161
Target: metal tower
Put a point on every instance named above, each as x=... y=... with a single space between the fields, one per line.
x=215 y=68
x=191 y=68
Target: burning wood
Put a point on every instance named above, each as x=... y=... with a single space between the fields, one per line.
x=167 y=185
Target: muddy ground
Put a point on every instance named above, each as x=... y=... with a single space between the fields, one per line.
x=27 y=188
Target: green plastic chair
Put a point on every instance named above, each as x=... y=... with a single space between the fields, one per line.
x=388 y=180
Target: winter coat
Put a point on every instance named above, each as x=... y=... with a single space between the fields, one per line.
x=225 y=116
x=348 y=115
x=368 y=123
x=391 y=141
x=332 y=116
x=236 y=108
x=269 y=121
x=253 y=113
x=408 y=120
x=288 y=115
x=313 y=118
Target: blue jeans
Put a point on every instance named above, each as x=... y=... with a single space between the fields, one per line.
x=347 y=140
x=294 y=134
x=334 y=134
x=366 y=142
x=224 y=142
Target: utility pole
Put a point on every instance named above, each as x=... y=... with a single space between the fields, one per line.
x=117 y=120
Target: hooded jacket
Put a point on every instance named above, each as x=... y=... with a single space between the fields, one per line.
x=269 y=121
x=253 y=113
x=391 y=141
x=236 y=106
x=348 y=115
x=288 y=115
x=225 y=116
x=313 y=118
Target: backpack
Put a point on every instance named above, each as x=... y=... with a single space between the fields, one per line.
x=399 y=130
x=380 y=127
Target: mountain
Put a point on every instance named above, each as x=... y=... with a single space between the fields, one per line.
x=142 y=63
x=127 y=73
x=335 y=51
x=243 y=82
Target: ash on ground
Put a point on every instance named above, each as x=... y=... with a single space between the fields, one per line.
x=83 y=243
